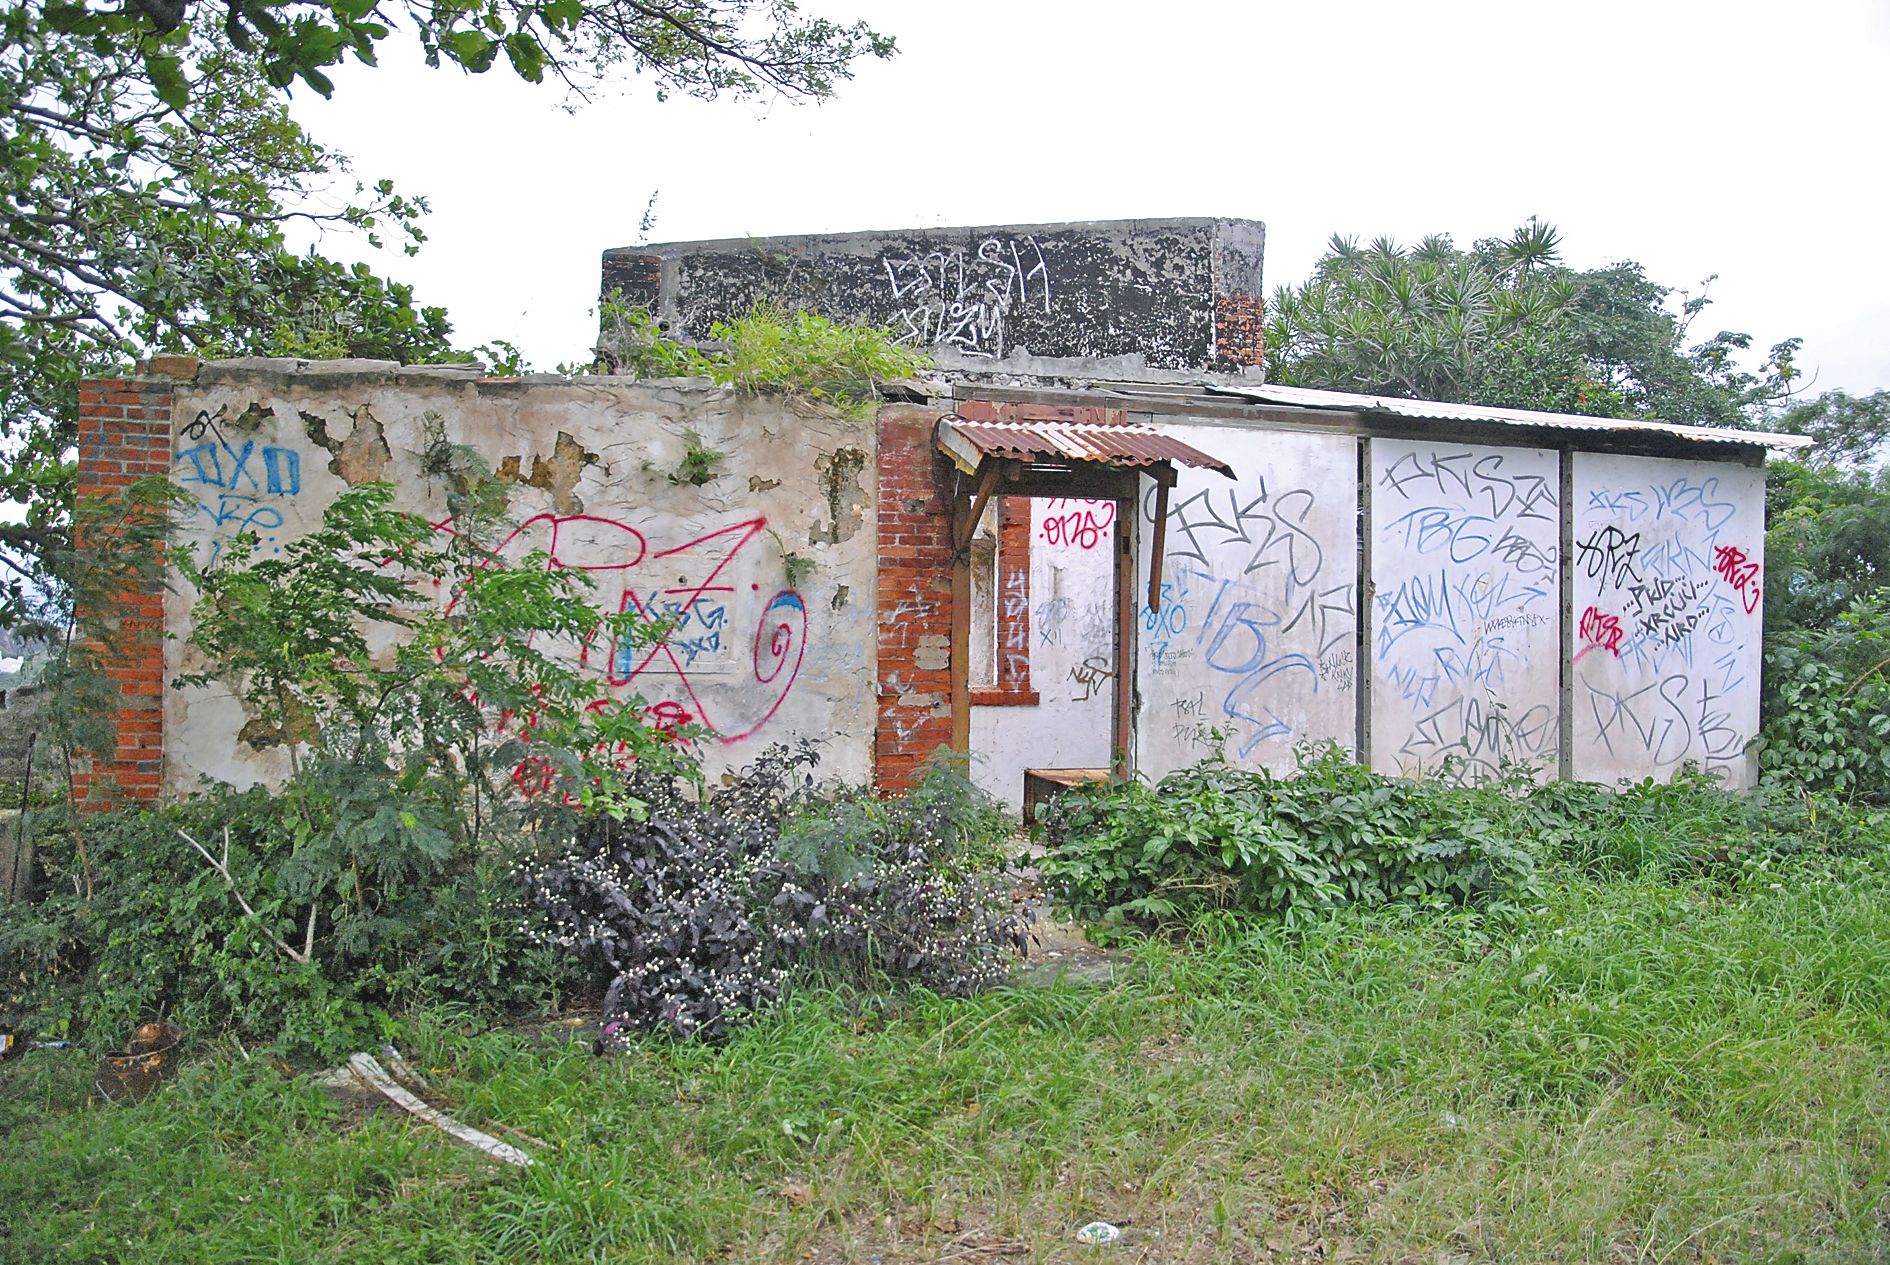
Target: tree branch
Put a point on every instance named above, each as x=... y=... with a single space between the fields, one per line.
x=301 y=957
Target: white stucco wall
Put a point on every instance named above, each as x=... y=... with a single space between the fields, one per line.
x=756 y=657
x=1667 y=610
x=1256 y=635
x=1072 y=654
x=1463 y=626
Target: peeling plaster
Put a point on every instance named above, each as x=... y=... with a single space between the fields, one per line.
x=557 y=474
x=846 y=499
x=763 y=658
x=362 y=457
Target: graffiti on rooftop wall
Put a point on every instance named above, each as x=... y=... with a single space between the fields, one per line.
x=948 y=298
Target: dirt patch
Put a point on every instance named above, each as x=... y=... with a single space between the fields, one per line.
x=1061 y=954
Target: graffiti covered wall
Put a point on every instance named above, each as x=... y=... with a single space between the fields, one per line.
x=752 y=654
x=1666 y=607
x=1170 y=294
x=1071 y=649
x=1256 y=636
x=1464 y=622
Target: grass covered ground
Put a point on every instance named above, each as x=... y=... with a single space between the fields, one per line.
x=1641 y=1070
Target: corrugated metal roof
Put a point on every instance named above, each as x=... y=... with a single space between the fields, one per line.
x=1436 y=410
x=968 y=443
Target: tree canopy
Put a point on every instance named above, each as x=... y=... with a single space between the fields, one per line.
x=1507 y=323
x=152 y=175
x=702 y=47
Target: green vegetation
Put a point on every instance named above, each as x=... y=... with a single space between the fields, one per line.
x=1214 y=839
x=1682 y=1060
x=1507 y=323
x=769 y=350
x=1218 y=838
x=153 y=179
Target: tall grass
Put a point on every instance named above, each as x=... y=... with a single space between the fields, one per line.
x=1654 y=1065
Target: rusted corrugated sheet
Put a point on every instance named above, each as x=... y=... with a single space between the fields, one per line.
x=969 y=442
x=1434 y=410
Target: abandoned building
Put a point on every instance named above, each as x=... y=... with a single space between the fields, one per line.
x=1096 y=538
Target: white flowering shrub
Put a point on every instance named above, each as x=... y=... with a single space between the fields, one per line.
x=698 y=909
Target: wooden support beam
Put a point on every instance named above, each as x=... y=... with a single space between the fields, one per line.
x=964 y=529
x=961 y=651
x=1160 y=545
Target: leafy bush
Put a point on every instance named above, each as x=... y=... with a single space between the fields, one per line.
x=699 y=908
x=1828 y=724
x=420 y=737
x=1690 y=827
x=1215 y=837
x=164 y=935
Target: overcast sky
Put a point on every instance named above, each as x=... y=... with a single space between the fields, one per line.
x=1742 y=139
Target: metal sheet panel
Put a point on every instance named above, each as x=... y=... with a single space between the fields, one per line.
x=1256 y=638
x=1438 y=410
x=1120 y=446
x=1463 y=624
x=1668 y=581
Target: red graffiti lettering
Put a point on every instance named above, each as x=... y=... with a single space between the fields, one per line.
x=1598 y=629
x=1732 y=565
x=668 y=718
x=1080 y=524
x=685 y=592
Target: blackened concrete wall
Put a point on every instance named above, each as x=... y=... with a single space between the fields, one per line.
x=1122 y=294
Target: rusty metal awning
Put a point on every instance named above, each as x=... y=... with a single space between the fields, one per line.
x=968 y=443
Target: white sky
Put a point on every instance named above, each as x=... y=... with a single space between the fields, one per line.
x=1745 y=139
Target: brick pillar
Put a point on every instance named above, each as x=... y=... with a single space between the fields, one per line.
x=915 y=598
x=1013 y=601
x=124 y=436
x=639 y=277
x=1239 y=331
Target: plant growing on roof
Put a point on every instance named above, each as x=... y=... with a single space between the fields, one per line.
x=839 y=366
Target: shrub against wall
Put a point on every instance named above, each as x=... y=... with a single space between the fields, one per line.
x=1215 y=837
x=697 y=909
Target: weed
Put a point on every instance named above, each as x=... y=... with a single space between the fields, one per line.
x=1644 y=1067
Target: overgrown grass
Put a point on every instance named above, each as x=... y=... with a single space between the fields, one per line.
x=1647 y=1067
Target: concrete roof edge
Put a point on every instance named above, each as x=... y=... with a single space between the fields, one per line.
x=671 y=249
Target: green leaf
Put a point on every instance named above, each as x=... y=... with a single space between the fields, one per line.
x=167 y=78
x=526 y=55
x=470 y=49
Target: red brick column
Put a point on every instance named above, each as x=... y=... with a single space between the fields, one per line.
x=1013 y=605
x=124 y=436
x=1239 y=331
x=915 y=598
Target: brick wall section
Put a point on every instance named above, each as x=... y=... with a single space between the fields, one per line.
x=1020 y=411
x=915 y=598
x=1239 y=331
x=640 y=277
x=1013 y=594
x=125 y=435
